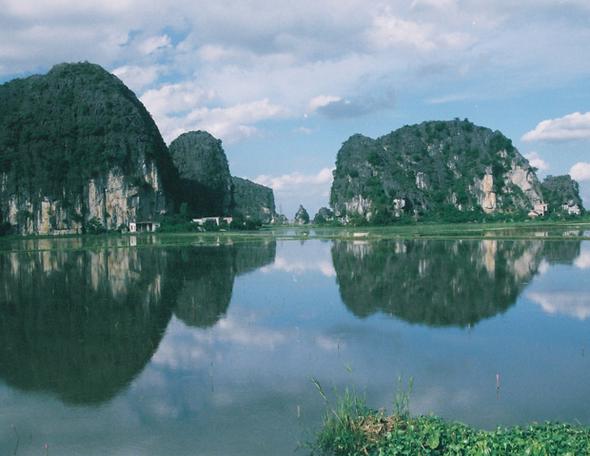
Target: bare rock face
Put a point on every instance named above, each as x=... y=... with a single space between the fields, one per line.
x=488 y=200
x=432 y=169
x=76 y=145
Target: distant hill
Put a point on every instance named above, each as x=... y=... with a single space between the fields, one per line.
x=253 y=201
x=207 y=185
x=562 y=194
x=76 y=148
x=439 y=169
x=205 y=178
x=80 y=153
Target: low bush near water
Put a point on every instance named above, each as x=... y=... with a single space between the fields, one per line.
x=351 y=428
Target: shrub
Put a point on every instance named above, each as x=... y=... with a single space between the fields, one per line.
x=93 y=226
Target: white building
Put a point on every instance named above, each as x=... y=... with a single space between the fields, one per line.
x=574 y=209
x=217 y=220
x=143 y=227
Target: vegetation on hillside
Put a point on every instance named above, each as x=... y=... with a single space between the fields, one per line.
x=205 y=180
x=430 y=171
x=561 y=193
x=77 y=123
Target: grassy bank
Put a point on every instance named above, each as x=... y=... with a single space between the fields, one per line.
x=351 y=428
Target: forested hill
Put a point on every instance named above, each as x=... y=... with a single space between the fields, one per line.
x=77 y=146
x=436 y=169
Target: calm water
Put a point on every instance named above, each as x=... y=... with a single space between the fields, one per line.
x=209 y=350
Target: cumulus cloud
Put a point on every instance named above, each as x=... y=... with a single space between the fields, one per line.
x=359 y=106
x=583 y=261
x=570 y=127
x=137 y=77
x=572 y=304
x=295 y=182
x=288 y=53
x=391 y=31
x=178 y=108
x=536 y=161
x=302 y=266
x=580 y=171
x=154 y=43
x=320 y=101
x=291 y=189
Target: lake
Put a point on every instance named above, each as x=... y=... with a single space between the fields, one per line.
x=130 y=347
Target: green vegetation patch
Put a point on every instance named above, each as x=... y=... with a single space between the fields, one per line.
x=353 y=429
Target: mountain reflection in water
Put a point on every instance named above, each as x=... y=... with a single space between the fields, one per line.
x=209 y=349
x=83 y=324
x=440 y=283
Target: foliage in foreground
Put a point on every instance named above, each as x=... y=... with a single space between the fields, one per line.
x=351 y=428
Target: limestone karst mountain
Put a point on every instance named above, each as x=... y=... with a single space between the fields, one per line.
x=204 y=172
x=433 y=169
x=301 y=216
x=562 y=195
x=77 y=146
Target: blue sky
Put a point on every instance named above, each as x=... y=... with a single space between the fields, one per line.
x=284 y=83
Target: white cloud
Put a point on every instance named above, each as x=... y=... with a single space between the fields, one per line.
x=178 y=108
x=304 y=130
x=293 y=188
x=569 y=127
x=291 y=52
x=138 y=77
x=583 y=261
x=536 y=161
x=391 y=31
x=580 y=171
x=569 y=303
x=189 y=348
x=438 y=4
x=176 y=98
x=301 y=266
x=451 y=98
x=215 y=53
x=231 y=123
x=154 y=43
x=320 y=101
x=295 y=182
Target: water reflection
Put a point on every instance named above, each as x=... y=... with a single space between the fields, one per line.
x=82 y=324
x=562 y=293
x=206 y=285
x=79 y=324
x=441 y=283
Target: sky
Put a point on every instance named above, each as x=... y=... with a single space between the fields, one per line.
x=285 y=83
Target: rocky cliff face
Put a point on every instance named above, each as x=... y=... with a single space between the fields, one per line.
x=562 y=194
x=204 y=172
x=253 y=201
x=432 y=168
x=76 y=145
